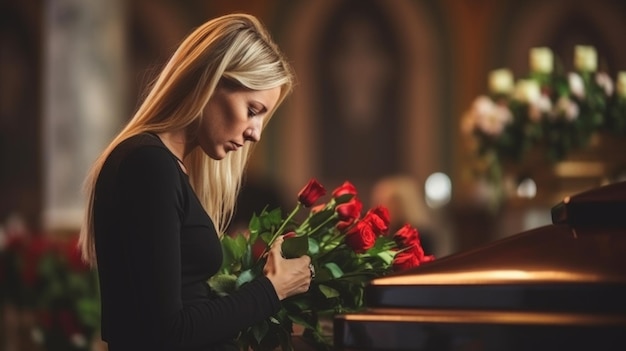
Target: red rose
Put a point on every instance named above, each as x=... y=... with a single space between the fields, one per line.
x=350 y=211
x=343 y=189
x=361 y=237
x=405 y=260
x=417 y=251
x=311 y=193
x=427 y=258
x=408 y=239
x=406 y=236
x=343 y=225
x=379 y=219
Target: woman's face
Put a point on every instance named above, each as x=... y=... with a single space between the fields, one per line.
x=233 y=116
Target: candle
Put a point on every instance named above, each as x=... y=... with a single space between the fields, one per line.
x=585 y=58
x=528 y=91
x=541 y=60
x=501 y=81
x=621 y=84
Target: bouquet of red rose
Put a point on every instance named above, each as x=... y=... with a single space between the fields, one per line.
x=347 y=250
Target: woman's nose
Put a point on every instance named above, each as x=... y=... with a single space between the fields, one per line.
x=252 y=134
x=254 y=130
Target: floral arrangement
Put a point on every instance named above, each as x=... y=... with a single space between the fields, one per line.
x=347 y=250
x=45 y=279
x=551 y=108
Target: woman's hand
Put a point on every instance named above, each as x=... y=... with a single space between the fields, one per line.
x=289 y=276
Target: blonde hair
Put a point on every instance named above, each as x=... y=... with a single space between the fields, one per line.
x=236 y=47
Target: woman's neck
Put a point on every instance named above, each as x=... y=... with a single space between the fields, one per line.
x=176 y=142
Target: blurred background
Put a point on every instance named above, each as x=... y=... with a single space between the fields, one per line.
x=384 y=88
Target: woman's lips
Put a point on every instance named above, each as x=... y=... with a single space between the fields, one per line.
x=234 y=146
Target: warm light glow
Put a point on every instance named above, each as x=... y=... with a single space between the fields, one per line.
x=527 y=188
x=499 y=317
x=504 y=276
x=576 y=169
x=438 y=189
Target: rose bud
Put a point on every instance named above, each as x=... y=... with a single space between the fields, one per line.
x=311 y=193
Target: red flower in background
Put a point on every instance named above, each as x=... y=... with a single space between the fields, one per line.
x=47 y=276
x=36 y=248
x=72 y=255
x=44 y=317
x=311 y=193
x=68 y=323
x=343 y=189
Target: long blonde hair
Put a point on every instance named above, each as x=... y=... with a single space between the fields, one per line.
x=236 y=47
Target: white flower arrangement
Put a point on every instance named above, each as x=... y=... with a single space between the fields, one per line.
x=551 y=107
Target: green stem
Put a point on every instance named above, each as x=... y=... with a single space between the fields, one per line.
x=337 y=236
x=282 y=227
x=325 y=253
x=304 y=224
x=322 y=224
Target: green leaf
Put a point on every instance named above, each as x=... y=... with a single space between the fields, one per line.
x=88 y=311
x=328 y=291
x=334 y=269
x=343 y=198
x=260 y=330
x=295 y=247
x=254 y=225
x=223 y=284
x=320 y=217
x=245 y=277
x=314 y=247
x=271 y=219
x=301 y=321
x=386 y=256
x=233 y=249
x=297 y=303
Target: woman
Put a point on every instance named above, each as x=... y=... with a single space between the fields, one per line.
x=164 y=189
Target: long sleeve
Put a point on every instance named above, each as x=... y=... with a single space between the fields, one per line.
x=156 y=247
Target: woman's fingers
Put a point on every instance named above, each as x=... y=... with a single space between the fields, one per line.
x=289 y=276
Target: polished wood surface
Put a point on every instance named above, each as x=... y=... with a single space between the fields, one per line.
x=556 y=287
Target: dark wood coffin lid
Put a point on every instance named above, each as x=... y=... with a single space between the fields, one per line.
x=576 y=264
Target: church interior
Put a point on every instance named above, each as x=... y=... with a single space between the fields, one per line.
x=462 y=117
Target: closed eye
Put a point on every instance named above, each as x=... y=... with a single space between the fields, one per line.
x=252 y=112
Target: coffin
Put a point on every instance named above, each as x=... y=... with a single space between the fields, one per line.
x=557 y=287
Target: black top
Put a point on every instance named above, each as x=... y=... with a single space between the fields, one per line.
x=156 y=247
